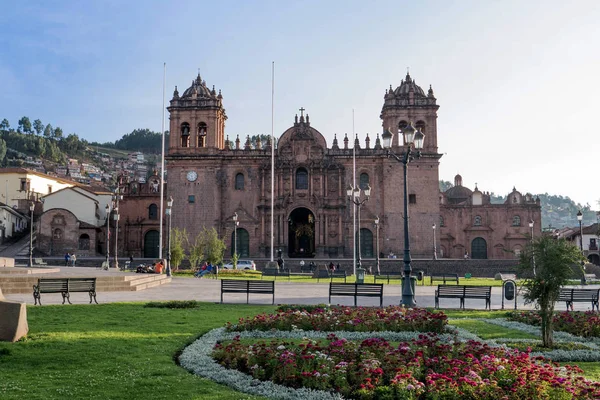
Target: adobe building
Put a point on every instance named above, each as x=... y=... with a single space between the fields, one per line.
x=212 y=178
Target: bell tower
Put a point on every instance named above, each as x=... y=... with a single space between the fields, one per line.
x=197 y=120
x=409 y=103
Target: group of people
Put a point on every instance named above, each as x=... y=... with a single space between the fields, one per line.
x=70 y=259
x=157 y=268
x=205 y=268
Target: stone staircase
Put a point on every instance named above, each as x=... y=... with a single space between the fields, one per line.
x=21 y=280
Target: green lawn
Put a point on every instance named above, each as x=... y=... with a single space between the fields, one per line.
x=112 y=351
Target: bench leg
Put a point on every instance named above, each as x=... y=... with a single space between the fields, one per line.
x=437 y=302
x=67 y=296
x=36 y=296
x=93 y=294
x=355 y=300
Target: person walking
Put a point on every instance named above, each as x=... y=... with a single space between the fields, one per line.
x=73 y=259
x=67 y=259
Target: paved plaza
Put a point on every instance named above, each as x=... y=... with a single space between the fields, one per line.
x=208 y=290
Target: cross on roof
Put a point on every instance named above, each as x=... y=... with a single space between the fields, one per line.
x=302 y=109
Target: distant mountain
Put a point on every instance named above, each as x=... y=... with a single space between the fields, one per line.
x=557 y=211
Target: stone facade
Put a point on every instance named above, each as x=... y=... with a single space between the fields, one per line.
x=212 y=178
x=60 y=232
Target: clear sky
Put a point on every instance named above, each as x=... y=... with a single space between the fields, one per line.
x=517 y=81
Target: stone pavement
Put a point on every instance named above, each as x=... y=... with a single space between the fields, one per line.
x=208 y=290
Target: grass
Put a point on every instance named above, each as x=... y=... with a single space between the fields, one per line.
x=244 y=274
x=488 y=331
x=112 y=351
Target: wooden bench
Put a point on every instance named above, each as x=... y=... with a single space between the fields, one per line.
x=238 y=286
x=357 y=290
x=463 y=292
x=444 y=278
x=276 y=272
x=572 y=295
x=64 y=286
x=338 y=274
x=388 y=276
x=39 y=261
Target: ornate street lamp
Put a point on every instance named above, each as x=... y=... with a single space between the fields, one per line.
x=168 y=211
x=116 y=216
x=580 y=219
x=377 y=230
x=106 y=262
x=235 y=225
x=532 y=256
x=31 y=208
x=354 y=196
x=412 y=137
x=434 y=244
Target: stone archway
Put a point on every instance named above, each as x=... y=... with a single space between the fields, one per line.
x=301 y=233
x=151 y=239
x=479 y=249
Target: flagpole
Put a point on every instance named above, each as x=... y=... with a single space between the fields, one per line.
x=162 y=168
x=353 y=203
x=272 y=158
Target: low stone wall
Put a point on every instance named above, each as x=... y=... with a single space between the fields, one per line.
x=7 y=262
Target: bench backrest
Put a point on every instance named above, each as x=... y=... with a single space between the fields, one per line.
x=53 y=285
x=444 y=275
x=261 y=286
x=578 y=294
x=81 y=284
x=354 y=288
x=231 y=284
x=462 y=290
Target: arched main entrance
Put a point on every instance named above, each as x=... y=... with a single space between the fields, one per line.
x=479 y=249
x=301 y=236
x=151 y=240
x=243 y=242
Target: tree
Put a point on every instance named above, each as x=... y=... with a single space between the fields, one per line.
x=24 y=125
x=196 y=252
x=38 y=126
x=212 y=246
x=2 y=150
x=58 y=133
x=178 y=238
x=48 y=131
x=553 y=262
x=4 y=125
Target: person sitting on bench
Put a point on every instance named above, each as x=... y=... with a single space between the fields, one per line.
x=208 y=270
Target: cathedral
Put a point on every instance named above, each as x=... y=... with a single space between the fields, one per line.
x=214 y=178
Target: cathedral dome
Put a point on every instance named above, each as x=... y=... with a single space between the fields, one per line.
x=408 y=85
x=458 y=193
x=199 y=87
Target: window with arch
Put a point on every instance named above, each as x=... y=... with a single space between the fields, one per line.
x=153 y=211
x=420 y=125
x=84 y=242
x=185 y=135
x=401 y=125
x=477 y=220
x=202 y=129
x=364 y=180
x=243 y=242
x=302 y=179
x=239 y=181
x=441 y=221
x=57 y=234
x=516 y=221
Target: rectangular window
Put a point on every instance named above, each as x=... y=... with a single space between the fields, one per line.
x=191 y=199
x=412 y=199
x=23 y=185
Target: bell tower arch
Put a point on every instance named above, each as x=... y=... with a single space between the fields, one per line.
x=197 y=119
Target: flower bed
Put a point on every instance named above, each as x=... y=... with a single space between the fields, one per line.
x=423 y=368
x=359 y=319
x=585 y=324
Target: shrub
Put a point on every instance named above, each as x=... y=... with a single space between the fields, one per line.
x=175 y=304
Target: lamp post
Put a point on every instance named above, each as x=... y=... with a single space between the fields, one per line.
x=434 y=244
x=31 y=208
x=168 y=211
x=580 y=219
x=377 y=237
x=235 y=225
x=116 y=216
x=354 y=196
x=107 y=263
x=532 y=256
x=411 y=137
